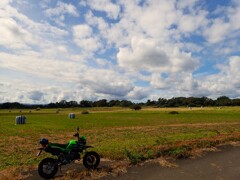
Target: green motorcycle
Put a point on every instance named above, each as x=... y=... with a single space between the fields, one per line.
x=66 y=153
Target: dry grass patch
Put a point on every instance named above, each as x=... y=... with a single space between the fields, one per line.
x=16 y=172
x=112 y=168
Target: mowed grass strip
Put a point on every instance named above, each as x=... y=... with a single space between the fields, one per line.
x=116 y=133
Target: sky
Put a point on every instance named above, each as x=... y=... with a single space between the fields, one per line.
x=53 y=50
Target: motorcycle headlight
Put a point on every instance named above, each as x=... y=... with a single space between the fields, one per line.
x=83 y=140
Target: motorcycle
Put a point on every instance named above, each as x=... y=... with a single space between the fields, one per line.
x=66 y=153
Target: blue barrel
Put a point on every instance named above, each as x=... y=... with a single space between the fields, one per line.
x=20 y=120
x=71 y=115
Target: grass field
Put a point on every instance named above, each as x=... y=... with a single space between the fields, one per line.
x=117 y=133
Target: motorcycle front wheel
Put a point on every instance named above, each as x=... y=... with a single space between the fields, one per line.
x=47 y=168
x=91 y=160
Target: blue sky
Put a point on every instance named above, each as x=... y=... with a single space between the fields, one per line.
x=52 y=50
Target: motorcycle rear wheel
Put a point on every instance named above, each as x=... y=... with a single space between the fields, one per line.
x=91 y=160
x=47 y=168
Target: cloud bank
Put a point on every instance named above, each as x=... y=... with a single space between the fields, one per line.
x=136 y=50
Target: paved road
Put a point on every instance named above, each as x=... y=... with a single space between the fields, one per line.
x=222 y=165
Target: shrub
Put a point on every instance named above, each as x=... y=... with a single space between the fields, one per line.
x=134 y=157
x=136 y=107
x=85 y=112
x=173 y=112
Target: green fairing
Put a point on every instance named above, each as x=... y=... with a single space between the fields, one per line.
x=68 y=148
x=71 y=144
x=83 y=137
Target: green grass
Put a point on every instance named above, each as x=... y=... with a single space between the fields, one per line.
x=115 y=133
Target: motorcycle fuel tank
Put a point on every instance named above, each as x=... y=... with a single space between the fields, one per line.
x=71 y=144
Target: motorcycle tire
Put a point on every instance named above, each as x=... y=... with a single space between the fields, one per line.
x=91 y=160
x=47 y=168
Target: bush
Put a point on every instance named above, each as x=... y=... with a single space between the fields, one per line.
x=136 y=107
x=85 y=112
x=134 y=157
x=173 y=112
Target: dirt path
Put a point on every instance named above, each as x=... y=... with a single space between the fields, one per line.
x=221 y=165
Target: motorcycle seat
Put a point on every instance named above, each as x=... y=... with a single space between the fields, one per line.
x=59 y=145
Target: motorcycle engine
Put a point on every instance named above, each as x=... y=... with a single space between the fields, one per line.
x=68 y=158
x=73 y=155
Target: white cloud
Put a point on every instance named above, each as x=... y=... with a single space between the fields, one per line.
x=41 y=67
x=112 y=10
x=36 y=95
x=96 y=21
x=218 y=31
x=82 y=31
x=4 y=3
x=224 y=26
x=230 y=74
x=84 y=38
x=106 y=82
x=12 y=35
x=147 y=54
x=143 y=54
x=157 y=17
x=158 y=82
x=190 y=23
x=20 y=32
x=224 y=83
x=62 y=9
x=138 y=93
x=182 y=61
x=153 y=19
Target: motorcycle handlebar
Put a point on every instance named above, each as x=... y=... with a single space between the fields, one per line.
x=77 y=134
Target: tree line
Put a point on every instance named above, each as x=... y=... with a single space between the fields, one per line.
x=161 y=102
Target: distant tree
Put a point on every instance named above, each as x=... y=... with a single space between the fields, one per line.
x=52 y=105
x=14 y=105
x=162 y=102
x=173 y=102
x=85 y=103
x=125 y=103
x=151 y=103
x=101 y=103
x=72 y=103
x=113 y=103
x=63 y=104
x=236 y=102
x=223 y=101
